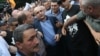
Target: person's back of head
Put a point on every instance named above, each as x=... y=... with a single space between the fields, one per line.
x=29 y=17
x=12 y=23
x=11 y=20
x=21 y=18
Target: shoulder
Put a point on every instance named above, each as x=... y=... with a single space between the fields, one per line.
x=76 y=6
x=48 y=12
x=4 y=51
x=61 y=9
x=51 y=17
x=36 y=23
x=2 y=41
x=35 y=20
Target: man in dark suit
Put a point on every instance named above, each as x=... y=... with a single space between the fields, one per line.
x=47 y=25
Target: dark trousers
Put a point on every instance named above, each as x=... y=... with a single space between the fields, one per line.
x=51 y=50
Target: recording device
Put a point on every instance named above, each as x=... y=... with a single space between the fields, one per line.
x=4 y=8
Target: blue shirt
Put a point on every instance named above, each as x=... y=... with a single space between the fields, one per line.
x=4 y=47
x=58 y=15
x=48 y=32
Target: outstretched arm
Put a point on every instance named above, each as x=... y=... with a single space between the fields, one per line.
x=67 y=23
x=80 y=16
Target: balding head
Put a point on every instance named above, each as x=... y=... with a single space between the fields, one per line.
x=39 y=12
x=26 y=12
x=15 y=13
x=25 y=17
x=29 y=17
x=42 y=7
x=39 y=8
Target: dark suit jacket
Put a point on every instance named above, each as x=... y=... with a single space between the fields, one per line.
x=51 y=51
x=53 y=20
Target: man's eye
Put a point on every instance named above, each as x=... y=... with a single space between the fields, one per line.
x=37 y=12
x=41 y=10
x=30 y=39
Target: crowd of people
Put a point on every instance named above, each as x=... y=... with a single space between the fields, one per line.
x=50 y=28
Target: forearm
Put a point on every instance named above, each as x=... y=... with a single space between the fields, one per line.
x=70 y=21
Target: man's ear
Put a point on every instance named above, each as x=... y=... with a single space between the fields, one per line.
x=19 y=45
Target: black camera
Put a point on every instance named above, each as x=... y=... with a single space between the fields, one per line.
x=5 y=8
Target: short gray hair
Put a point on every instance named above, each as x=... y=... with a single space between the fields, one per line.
x=93 y=3
x=18 y=32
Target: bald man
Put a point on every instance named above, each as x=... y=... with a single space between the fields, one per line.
x=47 y=25
x=15 y=13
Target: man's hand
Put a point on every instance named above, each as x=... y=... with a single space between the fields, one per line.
x=58 y=24
x=13 y=49
x=64 y=31
x=57 y=37
x=40 y=33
